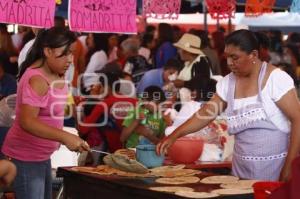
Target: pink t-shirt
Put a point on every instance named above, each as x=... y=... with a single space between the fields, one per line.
x=21 y=145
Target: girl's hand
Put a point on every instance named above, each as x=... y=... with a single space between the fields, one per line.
x=75 y=143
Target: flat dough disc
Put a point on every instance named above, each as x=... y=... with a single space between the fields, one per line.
x=240 y=184
x=171 y=189
x=232 y=191
x=219 y=179
x=178 y=180
x=192 y=194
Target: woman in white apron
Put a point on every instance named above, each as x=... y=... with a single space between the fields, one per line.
x=262 y=111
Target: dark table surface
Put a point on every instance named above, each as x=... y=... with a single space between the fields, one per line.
x=92 y=186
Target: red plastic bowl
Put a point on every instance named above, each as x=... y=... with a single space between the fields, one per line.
x=186 y=150
x=262 y=190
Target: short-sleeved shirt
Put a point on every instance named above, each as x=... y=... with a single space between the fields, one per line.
x=151 y=78
x=153 y=121
x=22 y=145
x=277 y=85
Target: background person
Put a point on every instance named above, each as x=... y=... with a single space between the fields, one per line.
x=144 y=123
x=160 y=77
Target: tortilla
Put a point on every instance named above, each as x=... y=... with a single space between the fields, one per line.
x=83 y=169
x=219 y=179
x=192 y=194
x=171 y=173
x=171 y=189
x=178 y=180
x=105 y=170
x=241 y=184
x=232 y=191
x=166 y=168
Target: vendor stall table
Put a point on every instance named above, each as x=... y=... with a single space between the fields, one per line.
x=92 y=186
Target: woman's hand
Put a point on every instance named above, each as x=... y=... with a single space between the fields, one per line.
x=163 y=146
x=75 y=143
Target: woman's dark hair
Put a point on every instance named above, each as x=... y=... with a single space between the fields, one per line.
x=165 y=33
x=244 y=39
x=153 y=93
x=50 y=38
x=101 y=43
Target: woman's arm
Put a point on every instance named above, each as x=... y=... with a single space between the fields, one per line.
x=199 y=120
x=289 y=105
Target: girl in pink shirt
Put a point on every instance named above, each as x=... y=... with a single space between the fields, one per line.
x=41 y=97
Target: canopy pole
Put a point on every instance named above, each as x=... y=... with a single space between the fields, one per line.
x=218 y=24
x=204 y=11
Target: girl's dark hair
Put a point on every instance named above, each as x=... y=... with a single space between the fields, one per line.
x=101 y=43
x=244 y=39
x=51 y=38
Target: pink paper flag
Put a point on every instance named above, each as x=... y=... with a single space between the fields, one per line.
x=115 y=16
x=36 y=13
x=161 y=9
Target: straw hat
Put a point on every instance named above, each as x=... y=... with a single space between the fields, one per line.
x=190 y=43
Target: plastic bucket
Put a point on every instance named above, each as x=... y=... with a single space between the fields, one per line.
x=262 y=190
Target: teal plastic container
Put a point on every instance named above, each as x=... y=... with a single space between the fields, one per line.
x=146 y=155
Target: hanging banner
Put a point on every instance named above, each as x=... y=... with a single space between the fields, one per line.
x=221 y=9
x=113 y=16
x=295 y=7
x=35 y=13
x=160 y=9
x=258 y=7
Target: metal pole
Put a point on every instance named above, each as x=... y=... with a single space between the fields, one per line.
x=204 y=11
